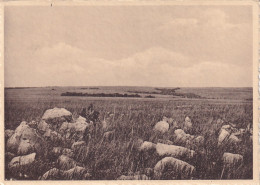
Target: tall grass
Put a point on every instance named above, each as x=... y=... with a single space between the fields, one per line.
x=135 y=118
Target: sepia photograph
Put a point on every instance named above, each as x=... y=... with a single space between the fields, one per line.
x=128 y=92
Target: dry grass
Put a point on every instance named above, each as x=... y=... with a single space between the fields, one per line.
x=135 y=118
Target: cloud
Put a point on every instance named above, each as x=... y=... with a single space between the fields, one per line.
x=209 y=36
x=63 y=64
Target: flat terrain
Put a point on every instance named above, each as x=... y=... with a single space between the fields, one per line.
x=135 y=118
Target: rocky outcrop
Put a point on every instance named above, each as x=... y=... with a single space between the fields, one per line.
x=25 y=140
x=57 y=115
x=162 y=127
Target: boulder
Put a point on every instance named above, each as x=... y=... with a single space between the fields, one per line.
x=178 y=167
x=233 y=139
x=162 y=127
x=65 y=163
x=56 y=115
x=25 y=147
x=147 y=146
x=25 y=140
x=232 y=160
x=224 y=134
x=174 y=151
x=22 y=160
x=181 y=137
x=43 y=127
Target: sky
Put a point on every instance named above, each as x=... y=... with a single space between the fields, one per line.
x=159 y=46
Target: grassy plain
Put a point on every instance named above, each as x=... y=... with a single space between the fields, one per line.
x=135 y=117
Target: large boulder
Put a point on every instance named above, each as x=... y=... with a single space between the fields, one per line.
x=25 y=140
x=162 y=127
x=22 y=160
x=174 y=151
x=57 y=115
x=178 y=167
x=232 y=160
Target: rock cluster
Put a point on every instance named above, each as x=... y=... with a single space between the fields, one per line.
x=57 y=136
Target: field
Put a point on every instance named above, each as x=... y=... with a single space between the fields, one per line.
x=134 y=118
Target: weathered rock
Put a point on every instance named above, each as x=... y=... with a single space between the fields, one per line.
x=224 y=134
x=133 y=177
x=147 y=146
x=174 y=151
x=22 y=160
x=65 y=163
x=233 y=139
x=57 y=115
x=8 y=133
x=181 y=137
x=162 y=127
x=177 y=166
x=232 y=160
x=137 y=143
x=25 y=140
x=43 y=127
x=25 y=147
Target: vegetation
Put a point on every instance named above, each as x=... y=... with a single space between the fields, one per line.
x=133 y=119
x=101 y=95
